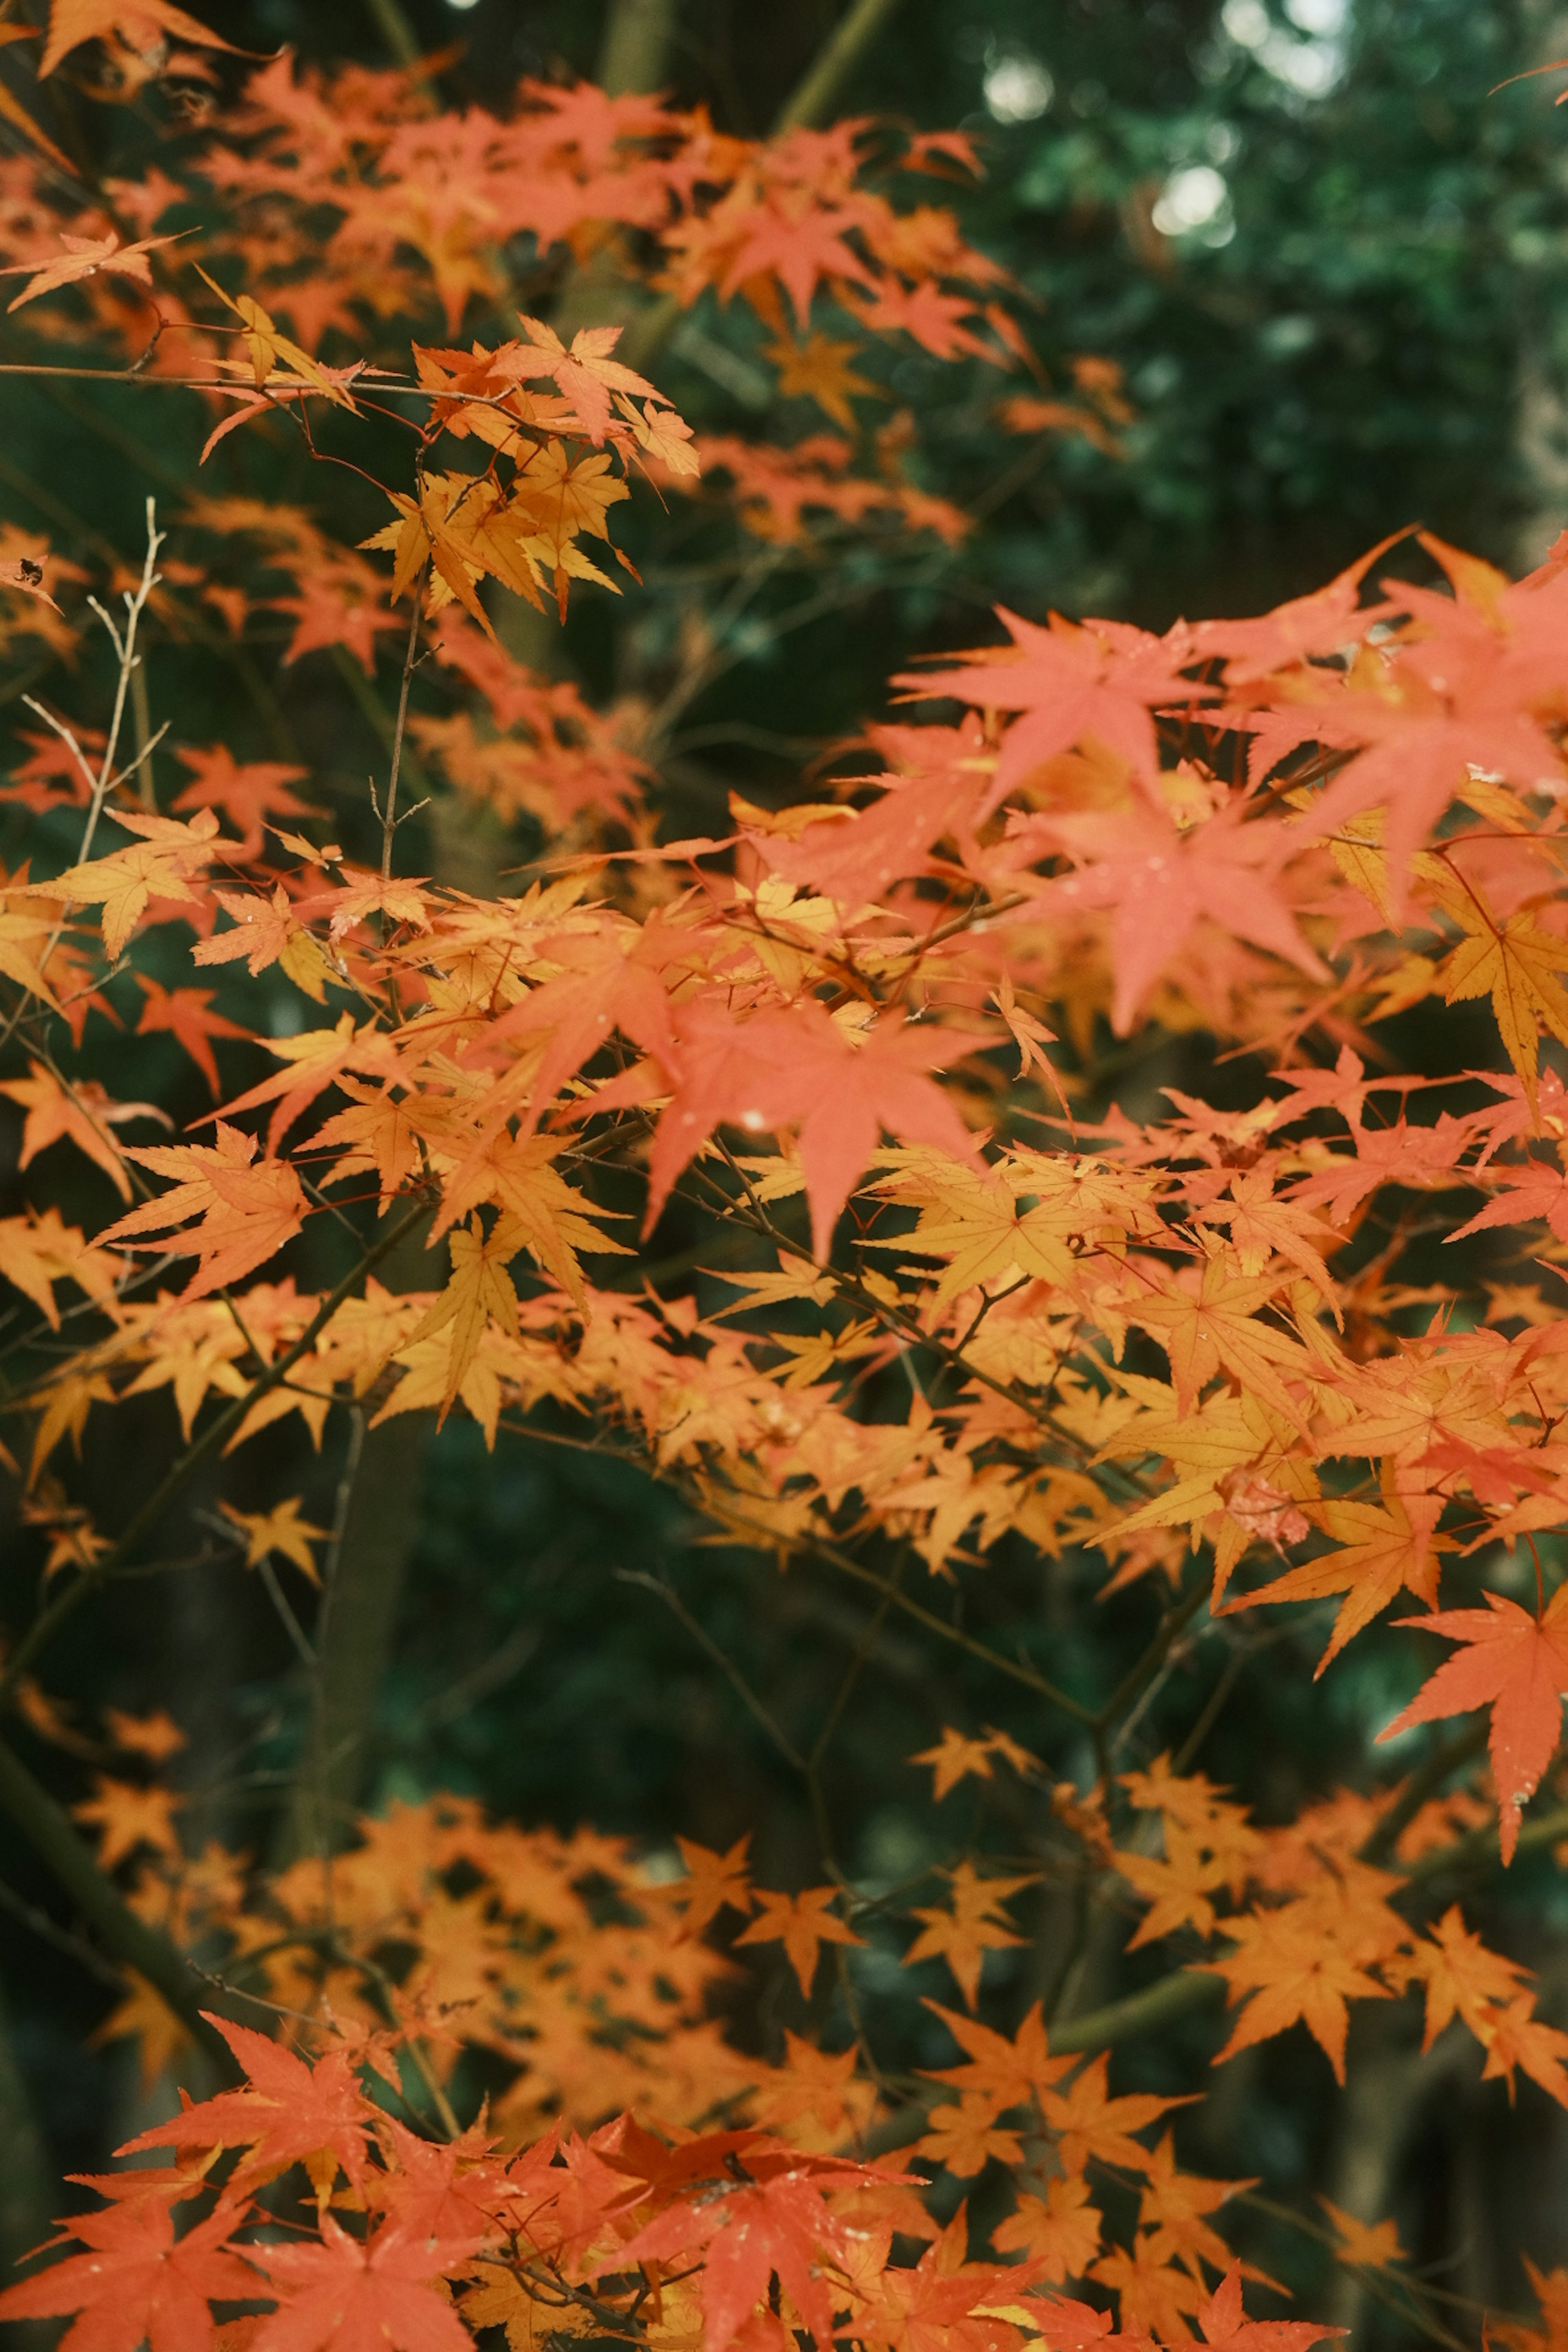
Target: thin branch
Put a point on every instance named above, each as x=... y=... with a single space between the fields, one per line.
x=389 y=815
x=815 y=96
x=217 y=1431
x=726 y=1665
x=60 y=1846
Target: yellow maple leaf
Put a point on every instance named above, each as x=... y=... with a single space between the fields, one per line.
x=280 y=1530
x=146 y=2014
x=819 y=370
x=1517 y=964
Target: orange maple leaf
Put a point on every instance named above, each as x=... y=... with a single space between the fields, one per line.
x=1008 y=2071
x=1368 y=2245
x=280 y=1530
x=244 y=1215
x=84 y=256
x=1088 y=2122
x=182 y=1014
x=136 y=2279
x=138 y=22
x=963 y=2137
x=1060 y=2230
x=954 y=1758
x=964 y=1933
x=800 y=1923
x=286 y=2110
x=131 y=1816
x=714 y=1883
x=1293 y=1974
x=1514 y=1663
x=82 y=1113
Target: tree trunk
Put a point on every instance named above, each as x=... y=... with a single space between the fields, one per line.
x=356 y=1624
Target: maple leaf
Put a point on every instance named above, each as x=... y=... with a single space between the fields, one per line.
x=355 y=2292
x=287 y=2110
x=162 y=2037
x=313 y=1061
x=1060 y=2231
x=586 y=374
x=478 y=1293
x=1008 y=2071
x=1515 y=963
x=84 y=256
x=82 y=1114
x=779 y=1070
x=72 y=22
x=1069 y=683
x=1176 y=1885
x=1069 y=2326
x=964 y=2137
x=156 y=867
x=1516 y=1665
x=799 y=246
x=964 y=1933
x=714 y=1883
x=1381 y=1551
x=815 y=2086
x=780 y=2226
x=1461 y=1975
x=1208 y=1318
x=267 y=345
x=1171 y=2207
x=1293 y=1973
x=182 y=1014
x=157 y=1736
x=266 y=931
x=1514 y=2037
x=129 y=1817
x=801 y=1923
x=1159 y=882
x=1225 y=2327
x=954 y=1758
x=532 y=2323
x=136 y=2280
x=248 y=794
x=1089 y=2123
x=280 y=1530
x=818 y=370
x=1363 y=2246
x=1156 y=2296
x=244 y=1215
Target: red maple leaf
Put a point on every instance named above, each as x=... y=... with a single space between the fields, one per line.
x=356 y=2293
x=1516 y=1665
x=247 y=794
x=286 y=2110
x=1227 y=2328
x=140 y=22
x=1069 y=683
x=182 y=1011
x=1159 y=882
x=136 y=2281
x=780 y=2225
x=796 y=1067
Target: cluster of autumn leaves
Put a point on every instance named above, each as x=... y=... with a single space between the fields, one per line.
x=823 y=1033
x=587 y=1976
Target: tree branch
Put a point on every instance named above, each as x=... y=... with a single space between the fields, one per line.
x=67 y=1855
x=817 y=92
x=221 y=1427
